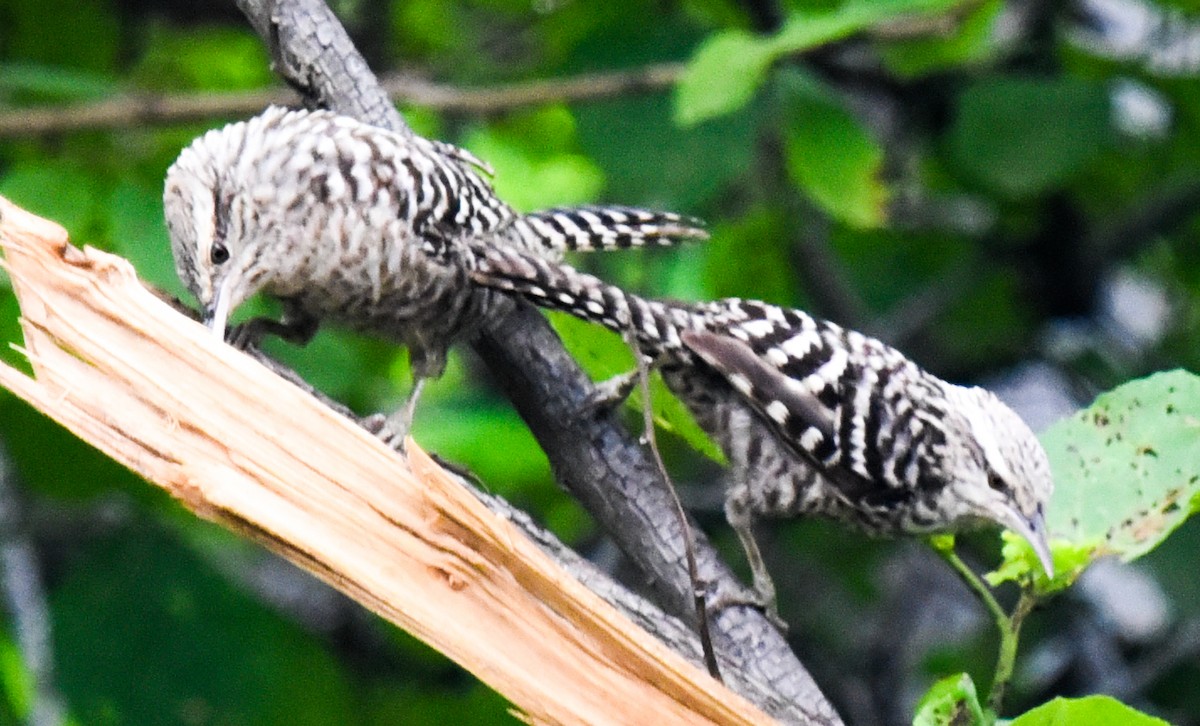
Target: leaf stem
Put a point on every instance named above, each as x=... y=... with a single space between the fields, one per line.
x=1009 y=625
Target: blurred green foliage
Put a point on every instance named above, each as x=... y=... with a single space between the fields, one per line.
x=959 y=192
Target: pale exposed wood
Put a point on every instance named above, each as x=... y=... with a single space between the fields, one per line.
x=239 y=445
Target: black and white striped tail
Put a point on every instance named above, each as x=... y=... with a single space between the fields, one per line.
x=592 y=228
x=655 y=326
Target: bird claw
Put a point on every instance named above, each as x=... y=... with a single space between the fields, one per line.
x=608 y=394
x=743 y=598
x=246 y=337
x=384 y=429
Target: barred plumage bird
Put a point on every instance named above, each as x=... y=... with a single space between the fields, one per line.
x=814 y=418
x=362 y=227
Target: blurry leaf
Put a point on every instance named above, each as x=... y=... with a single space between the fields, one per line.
x=470 y=704
x=950 y=701
x=729 y=66
x=1087 y=711
x=138 y=233
x=972 y=40
x=747 y=257
x=1126 y=470
x=10 y=334
x=348 y=367
x=56 y=190
x=54 y=82
x=988 y=322
x=1023 y=136
x=492 y=441
x=722 y=77
x=603 y=354
x=535 y=168
x=833 y=158
x=427 y=26
x=215 y=58
x=648 y=161
x=146 y=634
x=16 y=681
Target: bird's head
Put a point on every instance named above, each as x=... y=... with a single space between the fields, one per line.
x=208 y=207
x=1002 y=473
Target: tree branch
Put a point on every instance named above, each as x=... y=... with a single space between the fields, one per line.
x=127 y=373
x=593 y=457
x=138 y=110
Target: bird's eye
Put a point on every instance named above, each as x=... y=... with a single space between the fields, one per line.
x=995 y=482
x=219 y=253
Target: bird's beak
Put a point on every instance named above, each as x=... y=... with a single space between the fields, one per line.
x=216 y=314
x=1033 y=530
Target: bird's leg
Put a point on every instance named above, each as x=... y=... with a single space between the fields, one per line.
x=296 y=327
x=612 y=392
x=394 y=429
x=763 y=596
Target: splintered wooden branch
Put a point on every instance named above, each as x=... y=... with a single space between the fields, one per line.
x=241 y=446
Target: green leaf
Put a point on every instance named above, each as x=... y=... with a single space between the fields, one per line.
x=1126 y=474
x=137 y=233
x=648 y=162
x=1019 y=563
x=212 y=58
x=729 y=66
x=952 y=700
x=972 y=40
x=534 y=162
x=15 y=679
x=832 y=157
x=56 y=190
x=722 y=77
x=1021 y=136
x=1087 y=711
x=604 y=354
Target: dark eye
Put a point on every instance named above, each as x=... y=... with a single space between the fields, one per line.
x=219 y=254
x=995 y=482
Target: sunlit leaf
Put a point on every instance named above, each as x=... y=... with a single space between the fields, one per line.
x=1126 y=472
x=728 y=67
x=531 y=174
x=951 y=701
x=973 y=40
x=722 y=77
x=604 y=354
x=833 y=157
x=1087 y=711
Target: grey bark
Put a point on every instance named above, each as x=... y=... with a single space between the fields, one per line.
x=592 y=456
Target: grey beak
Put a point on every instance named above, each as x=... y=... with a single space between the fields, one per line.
x=213 y=323
x=1033 y=529
x=216 y=313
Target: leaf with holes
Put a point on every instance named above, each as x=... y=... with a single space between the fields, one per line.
x=951 y=700
x=1088 y=710
x=1126 y=474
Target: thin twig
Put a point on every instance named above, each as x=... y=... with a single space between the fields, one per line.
x=1008 y=625
x=136 y=110
x=689 y=545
